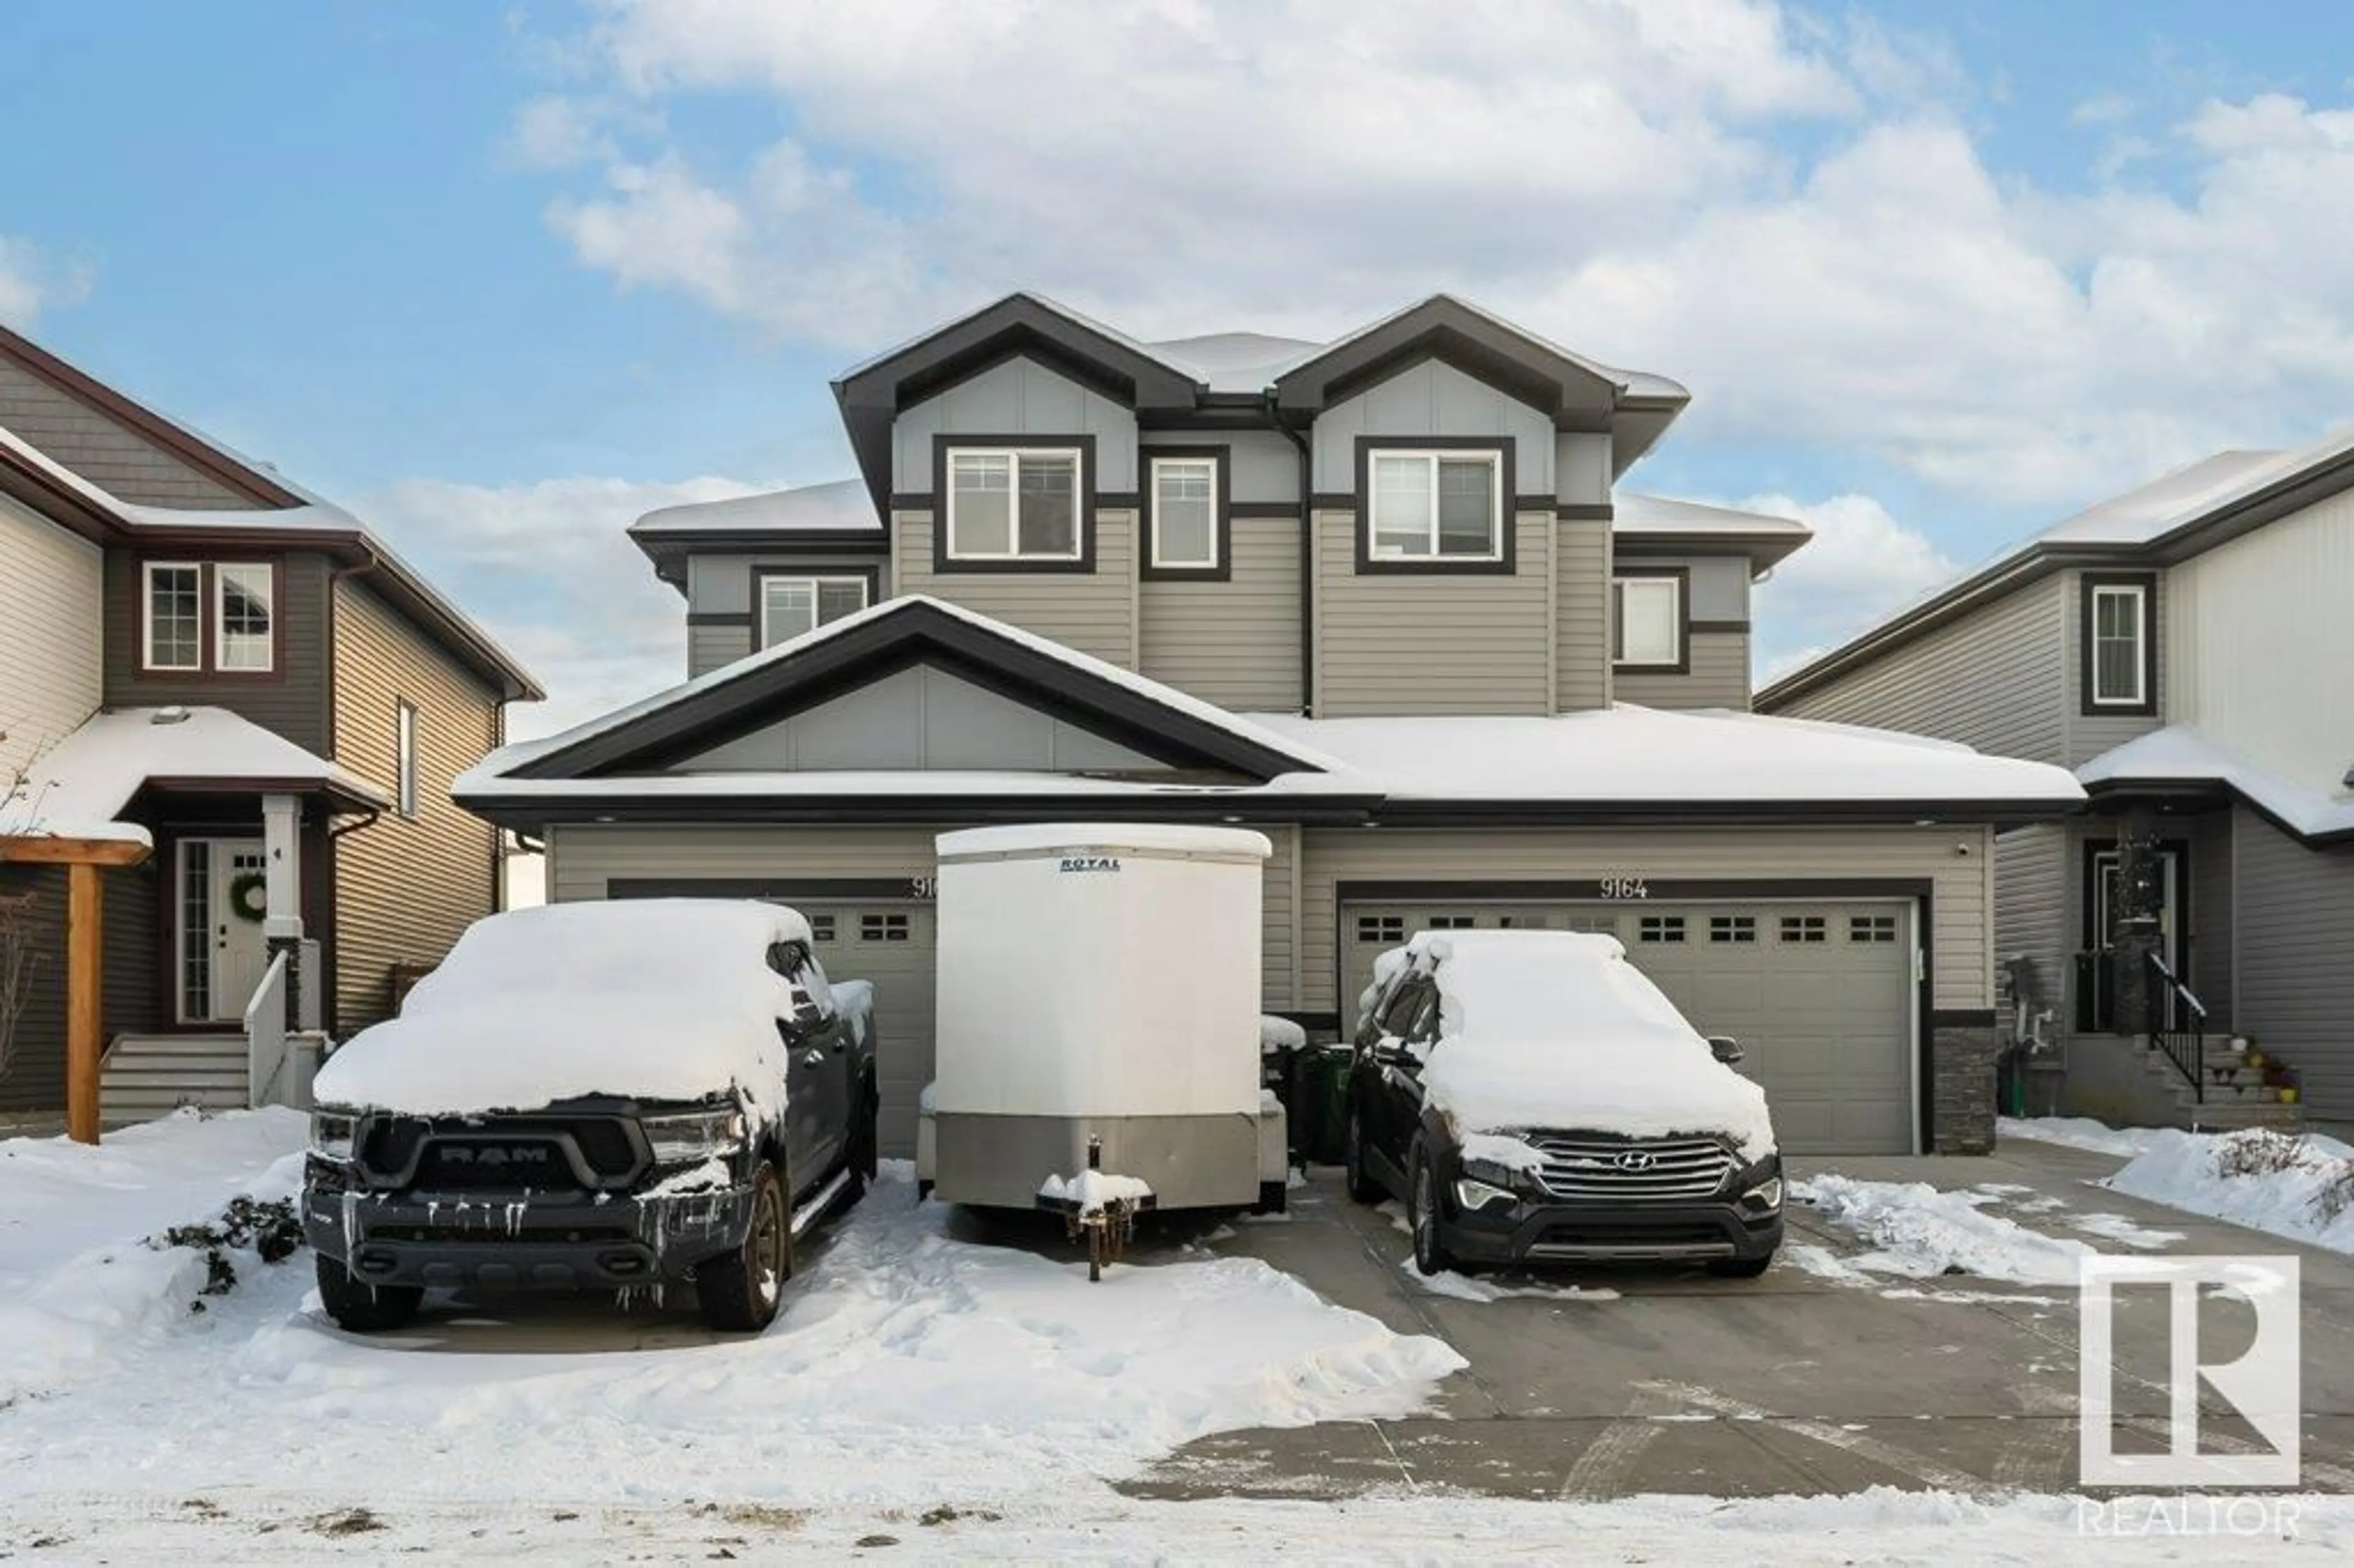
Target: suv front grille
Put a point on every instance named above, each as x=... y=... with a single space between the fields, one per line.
x=1619 y=1169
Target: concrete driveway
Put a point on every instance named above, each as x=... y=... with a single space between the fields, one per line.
x=1680 y=1382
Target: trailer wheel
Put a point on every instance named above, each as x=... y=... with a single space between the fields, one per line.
x=1361 y=1182
x=1274 y=1197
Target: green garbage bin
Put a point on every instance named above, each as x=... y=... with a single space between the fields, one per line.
x=1325 y=1105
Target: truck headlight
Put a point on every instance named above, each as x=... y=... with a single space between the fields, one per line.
x=1765 y=1197
x=699 y=1135
x=332 y=1135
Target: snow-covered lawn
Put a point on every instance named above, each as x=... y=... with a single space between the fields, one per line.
x=1923 y=1232
x=2298 y=1187
x=2077 y=1133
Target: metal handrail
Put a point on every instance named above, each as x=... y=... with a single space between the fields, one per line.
x=2186 y=1048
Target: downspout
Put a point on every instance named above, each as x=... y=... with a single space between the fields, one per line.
x=1307 y=556
x=331 y=939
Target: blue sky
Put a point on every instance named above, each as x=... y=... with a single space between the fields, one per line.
x=502 y=278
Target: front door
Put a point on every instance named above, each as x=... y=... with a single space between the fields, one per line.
x=220 y=949
x=2173 y=945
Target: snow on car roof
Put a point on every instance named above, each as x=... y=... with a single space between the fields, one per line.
x=1557 y=1030
x=655 y=999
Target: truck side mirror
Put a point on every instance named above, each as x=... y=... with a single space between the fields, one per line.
x=1725 y=1048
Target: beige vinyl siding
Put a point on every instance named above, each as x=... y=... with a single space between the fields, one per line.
x=1958 y=941
x=404 y=890
x=112 y=456
x=2294 y=986
x=2089 y=735
x=2034 y=916
x=1410 y=643
x=1094 y=612
x=1987 y=680
x=1582 y=615
x=291 y=701
x=1235 y=643
x=51 y=658
x=709 y=647
x=1719 y=677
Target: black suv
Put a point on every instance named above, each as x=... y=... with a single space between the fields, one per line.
x=1538 y=1186
x=603 y=1191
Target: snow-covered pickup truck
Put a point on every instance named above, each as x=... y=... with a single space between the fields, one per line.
x=615 y=1095
x=1535 y=1098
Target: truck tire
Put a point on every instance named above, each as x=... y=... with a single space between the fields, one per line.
x=360 y=1308
x=865 y=1158
x=740 y=1291
x=1361 y=1185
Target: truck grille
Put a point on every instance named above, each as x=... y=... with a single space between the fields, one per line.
x=1619 y=1169
x=497 y=1153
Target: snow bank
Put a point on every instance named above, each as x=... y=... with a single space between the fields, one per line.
x=1919 y=1230
x=1556 y=1030
x=659 y=999
x=2077 y=1133
x=2299 y=1188
x=1093 y=1192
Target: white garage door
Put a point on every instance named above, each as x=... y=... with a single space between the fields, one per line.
x=891 y=945
x=1819 y=993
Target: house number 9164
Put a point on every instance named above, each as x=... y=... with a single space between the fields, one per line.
x=1625 y=887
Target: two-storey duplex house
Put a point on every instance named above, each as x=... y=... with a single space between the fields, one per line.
x=196 y=655
x=1380 y=598
x=2184 y=649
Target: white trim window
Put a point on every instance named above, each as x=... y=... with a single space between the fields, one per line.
x=1009 y=504
x=1436 y=506
x=171 y=611
x=1185 y=513
x=1647 y=622
x=2119 y=632
x=404 y=748
x=243 y=642
x=792 y=607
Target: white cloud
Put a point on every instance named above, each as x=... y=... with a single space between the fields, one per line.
x=1623 y=177
x=547 y=568
x=31 y=282
x=1862 y=564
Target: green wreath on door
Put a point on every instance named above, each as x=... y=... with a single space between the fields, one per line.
x=248 y=896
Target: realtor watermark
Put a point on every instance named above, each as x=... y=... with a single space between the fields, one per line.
x=2185 y=1450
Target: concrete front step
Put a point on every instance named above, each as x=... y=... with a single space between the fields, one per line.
x=151 y=1076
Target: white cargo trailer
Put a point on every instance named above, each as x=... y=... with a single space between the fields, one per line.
x=1099 y=984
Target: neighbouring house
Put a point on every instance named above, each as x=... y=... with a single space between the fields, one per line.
x=2183 y=649
x=197 y=654
x=1381 y=599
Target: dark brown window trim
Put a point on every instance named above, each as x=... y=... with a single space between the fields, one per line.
x=1222 y=533
x=1508 y=519
x=757 y=618
x=207 y=667
x=1703 y=628
x=1285 y=509
x=943 y=564
x=1682 y=665
x=1583 y=511
x=2147 y=583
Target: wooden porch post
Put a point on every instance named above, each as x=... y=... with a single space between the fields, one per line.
x=85 y=949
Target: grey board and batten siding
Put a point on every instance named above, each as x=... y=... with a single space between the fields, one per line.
x=2295 y=959
x=1433 y=399
x=1234 y=642
x=1581 y=652
x=1265 y=465
x=291 y=700
x=1406 y=642
x=1017 y=397
x=2090 y=734
x=1093 y=612
x=1717 y=677
x=405 y=890
x=1988 y=680
x=103 y=450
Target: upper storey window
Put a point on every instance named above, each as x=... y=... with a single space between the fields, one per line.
x=1013 y=505
x=1185 y=513
x=791 y=606
x=1647 y=621
x=196 y=619
x=2120 y=656
x=1436 y=506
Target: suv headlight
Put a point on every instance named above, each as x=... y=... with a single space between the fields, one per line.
x=1765 y=1197
x=680 y=1139
x=334 y=1134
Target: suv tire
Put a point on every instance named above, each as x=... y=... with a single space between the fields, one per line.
x=360 y=1308
x=739 y=1292
x=1361 y=1185
x=1430 y=1254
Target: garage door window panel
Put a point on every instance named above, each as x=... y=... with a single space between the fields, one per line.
x=1732 y=928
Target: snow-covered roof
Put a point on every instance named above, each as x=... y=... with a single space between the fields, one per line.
x=1634 y=512
x=2165 y=503
x=840 y=504
x=1625 y=755
x=2179 y=754
x=1236 y=361
x=1640 y=382
x=79 y=787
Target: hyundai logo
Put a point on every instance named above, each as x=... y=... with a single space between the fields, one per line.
x=1637 y=1159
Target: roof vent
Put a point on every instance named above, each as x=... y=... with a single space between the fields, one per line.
x=168 y=715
